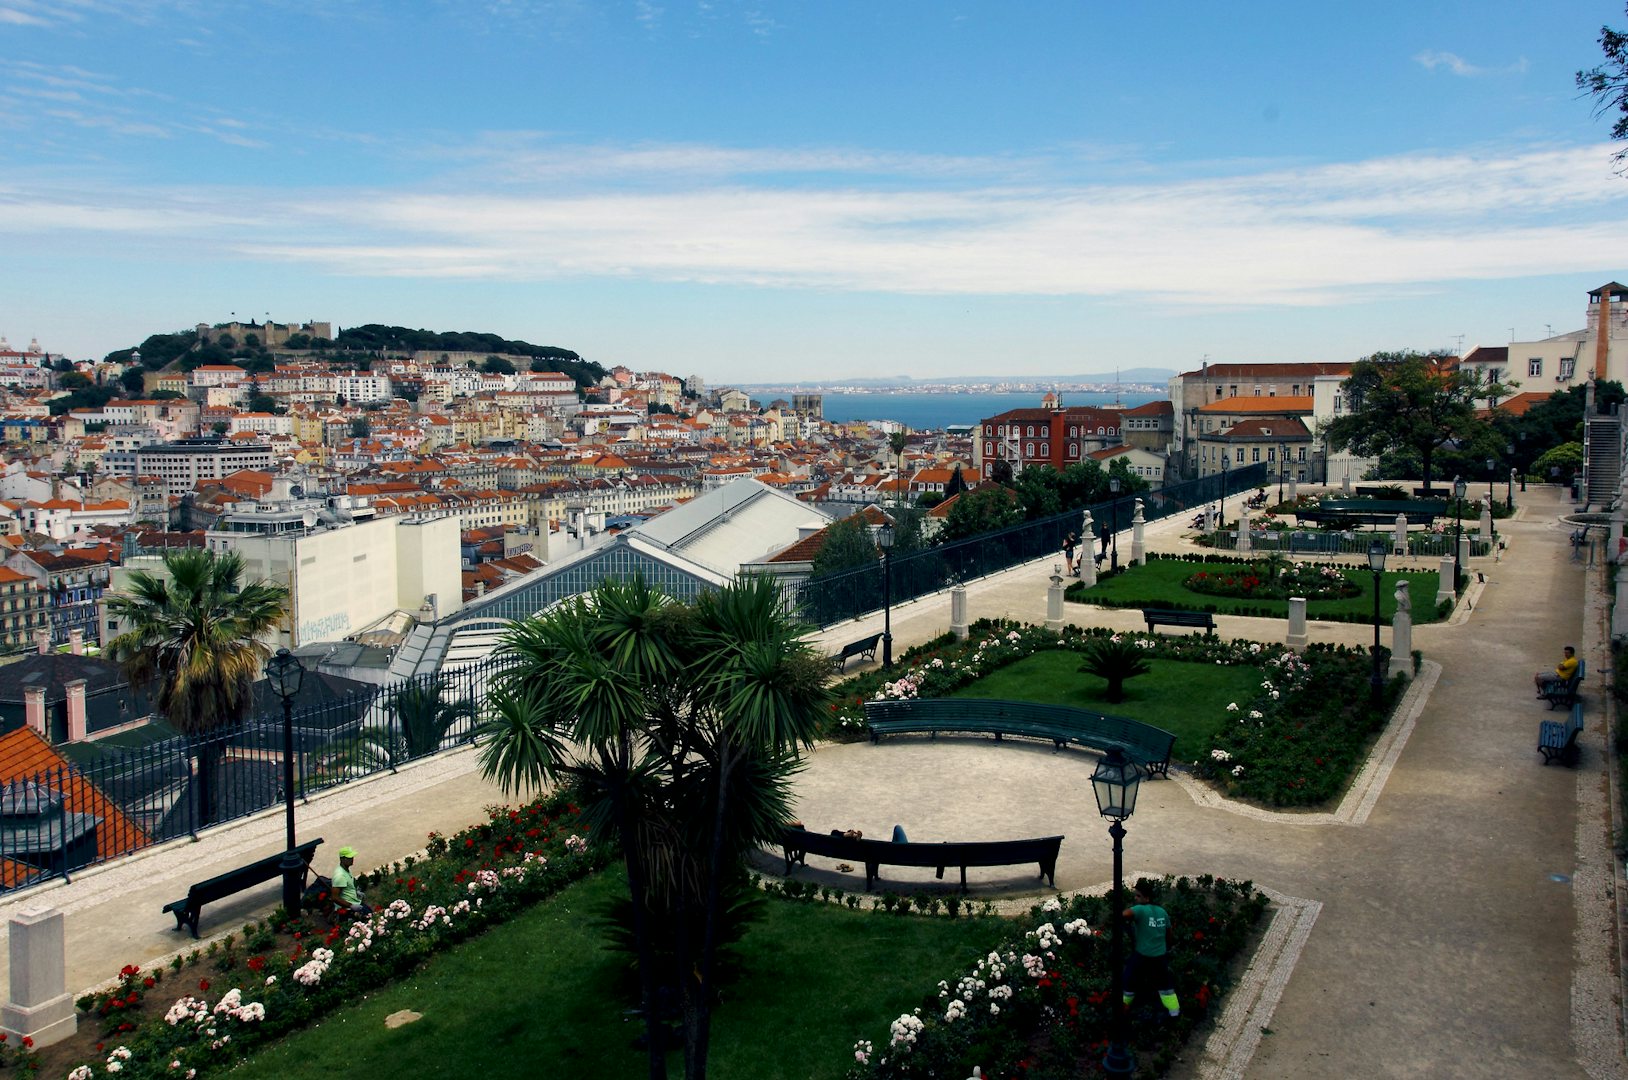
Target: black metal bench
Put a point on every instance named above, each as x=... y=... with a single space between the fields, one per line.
x=1144 y=744
x=864 y=648
x=798 y=844
x=187 y=909
x=1167 y=617
x=1563 y=692
x=1374 y=511
x=1559 y=741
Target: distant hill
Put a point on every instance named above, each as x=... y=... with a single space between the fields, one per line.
x=374 y=336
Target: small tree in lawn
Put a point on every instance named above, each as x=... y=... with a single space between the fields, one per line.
x=1114 y=659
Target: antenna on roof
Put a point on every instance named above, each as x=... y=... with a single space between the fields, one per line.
x=1460 y=348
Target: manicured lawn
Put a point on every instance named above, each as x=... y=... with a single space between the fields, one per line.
x=1159 y=584
x=539 y=997
x=1187 y=700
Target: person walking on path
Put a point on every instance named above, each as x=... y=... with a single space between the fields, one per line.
x=1149 y=960
x=1069 y=542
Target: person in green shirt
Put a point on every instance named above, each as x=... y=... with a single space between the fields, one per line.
x=344 y=884
x=1149 y=960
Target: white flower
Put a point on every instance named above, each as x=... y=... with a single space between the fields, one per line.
x=1220 y=755
x=1237 y=770
x=1052 y=904
x=1232 y=706
x=1079 y=927
x=1274 y=695
x=1254 y=714
x=81 y=1073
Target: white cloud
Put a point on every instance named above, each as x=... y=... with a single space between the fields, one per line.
x=1284 y=236
x=1431 y=59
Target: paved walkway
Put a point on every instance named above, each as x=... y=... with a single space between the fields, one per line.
x=1444 y=946
x=1449 y=916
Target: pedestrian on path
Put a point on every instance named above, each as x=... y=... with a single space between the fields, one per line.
x=1149 y=961
x=1069 y=543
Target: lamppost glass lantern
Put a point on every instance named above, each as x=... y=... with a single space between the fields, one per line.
x=1115 y=783
x=286 y=674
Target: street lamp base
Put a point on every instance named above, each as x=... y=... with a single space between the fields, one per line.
x=1119 y=1061
x=293 y=870
x=887 y=651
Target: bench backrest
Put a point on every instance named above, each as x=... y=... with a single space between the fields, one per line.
x=923 y=853
x=1176 y=616
x=948 y=711
x=234 y=881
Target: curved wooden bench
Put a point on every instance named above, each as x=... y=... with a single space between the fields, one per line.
x=798 y=844
x=1144 y=744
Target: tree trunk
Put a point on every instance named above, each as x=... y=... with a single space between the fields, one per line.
x=209 y=750
x=654 y=1031
x=1116 y=689
x=698 y=1012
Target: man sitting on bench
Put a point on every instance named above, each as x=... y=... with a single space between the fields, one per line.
x=344 y=886
x=1548 y=681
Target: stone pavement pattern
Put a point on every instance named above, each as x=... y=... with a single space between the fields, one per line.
x=1443 y=948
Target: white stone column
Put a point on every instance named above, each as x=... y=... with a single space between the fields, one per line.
x=1297 y=638
x=1054 y=599
x=1399 y=544
x=1464 y=553
x=1292 y=495
x=1486 y=520
x=1138 y=550
x=1088 y=551
x=1444 y=579
x=1245 y=546
x=1402 y=631
x=958 y=611
x=39 y=1005
x=1345 y=484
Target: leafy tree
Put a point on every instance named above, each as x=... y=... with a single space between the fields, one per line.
x=360 y=428
x=259 y=402
x=250 y=341
x=226 y=341
x=1608 y=84
x=1000 y=471
x=193 y=635
x=848 y=543
x=298 y=341
x=86 y=397
x=681 y=725
x=75 y=380
x=220 y=427
x=1567 y=457
x=496 y=365
x=1554 y=421
x=1407 y=402
x=167 y=395
x=956 y=484
x=133 y=381
x=984 y=509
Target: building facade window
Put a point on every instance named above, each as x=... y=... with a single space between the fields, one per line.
x=1534 y=367
x=1568 y=367
x=1254 y=453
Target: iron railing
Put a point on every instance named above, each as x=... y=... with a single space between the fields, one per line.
x=832 y=598
x=122 y=799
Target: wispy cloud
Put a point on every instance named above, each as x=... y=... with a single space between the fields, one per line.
x=1274 y=237
x=1431 y=59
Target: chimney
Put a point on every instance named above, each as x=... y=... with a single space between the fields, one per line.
x=42 y=641
x=34 y=708
x=76 y=642
x=76 y=709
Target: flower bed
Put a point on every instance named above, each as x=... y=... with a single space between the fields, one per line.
x=1296 y=742
x=280 y=975
x=1041 y=1006
x=1279 y=581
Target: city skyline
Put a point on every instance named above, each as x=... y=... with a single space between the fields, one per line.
x=748 y=191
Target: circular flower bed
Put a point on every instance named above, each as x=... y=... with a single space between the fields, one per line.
x=1258 y=581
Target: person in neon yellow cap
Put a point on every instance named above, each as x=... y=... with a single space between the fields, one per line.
x=344 y=884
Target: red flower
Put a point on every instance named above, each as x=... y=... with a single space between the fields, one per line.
x=1198 y=935
x=133 y=998
x=203 y=984
x=257 y=963
x=148 y=982
x=128 y=971
x=469 y=843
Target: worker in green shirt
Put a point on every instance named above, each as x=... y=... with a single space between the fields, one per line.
x=1149 y=960
x=344 y=884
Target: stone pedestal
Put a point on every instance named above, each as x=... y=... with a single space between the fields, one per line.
x=958 y=612
x=1464 y=554
x=1297 y=637
x=1088 y=561
x=1054 y=599
x=1245 y=546
x=1345 y=484
x=1402 y=632
x=1292 y=495
x=1138 y=551
x=40 y=1007
x=1486 y=521
x=1444 y=579
x=1399 y=541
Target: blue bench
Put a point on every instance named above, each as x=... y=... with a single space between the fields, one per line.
x=1559 y=741
x=1563 y=692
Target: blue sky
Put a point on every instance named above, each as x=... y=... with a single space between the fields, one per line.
x=759 y=191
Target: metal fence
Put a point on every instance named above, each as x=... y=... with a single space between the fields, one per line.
x=833 y=598
x=68 y=817
x=1300 y=542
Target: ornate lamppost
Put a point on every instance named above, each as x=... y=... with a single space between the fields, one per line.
x=884 y=540
x=1459 y=489
x=1113 y=526
x=285 y=674
x=1115 y=783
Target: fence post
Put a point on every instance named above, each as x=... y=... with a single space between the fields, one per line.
x=39 y=1006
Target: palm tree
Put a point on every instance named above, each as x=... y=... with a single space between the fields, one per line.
x=1114 y=659
x=193 y=639
x=681 y=724
x=423 y=716
x=896 y=442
